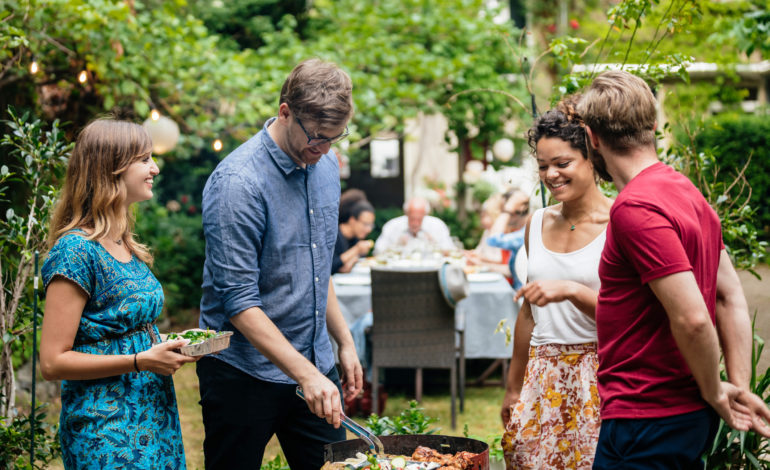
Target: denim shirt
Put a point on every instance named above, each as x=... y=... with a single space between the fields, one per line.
x=270 y=229
x=512 y=242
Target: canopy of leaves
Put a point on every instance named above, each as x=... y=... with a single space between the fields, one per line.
x=405 y=57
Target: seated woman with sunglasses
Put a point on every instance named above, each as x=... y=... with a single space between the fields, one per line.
x=507 y=232
x=356 y=222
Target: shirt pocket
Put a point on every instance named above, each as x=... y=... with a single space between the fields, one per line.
x=330 y=216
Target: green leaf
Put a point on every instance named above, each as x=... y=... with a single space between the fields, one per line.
x=141 y=107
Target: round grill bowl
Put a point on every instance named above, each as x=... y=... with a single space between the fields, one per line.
x=405 y=445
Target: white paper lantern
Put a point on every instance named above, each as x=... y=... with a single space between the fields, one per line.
x=474 y=166
x=164 y=133
x=470 y=177
x=473 y=170
x=503 y=149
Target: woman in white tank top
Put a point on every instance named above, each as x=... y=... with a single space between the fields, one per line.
x=551 y=404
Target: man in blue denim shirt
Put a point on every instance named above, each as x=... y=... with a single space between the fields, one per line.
x=270 y=221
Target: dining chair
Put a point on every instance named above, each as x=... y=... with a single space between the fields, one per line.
x=414 y=327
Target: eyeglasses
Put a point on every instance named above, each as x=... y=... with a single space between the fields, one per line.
x=315 y=141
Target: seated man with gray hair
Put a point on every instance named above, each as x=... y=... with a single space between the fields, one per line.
x=414 y=231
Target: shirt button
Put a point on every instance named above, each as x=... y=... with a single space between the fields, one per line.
x=311 y=211
x=316 y=279
x=316 y=313
x=313 y=245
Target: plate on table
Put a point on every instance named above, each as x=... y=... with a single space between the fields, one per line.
x=361 y=269
x=347 y=280
x=484 y=277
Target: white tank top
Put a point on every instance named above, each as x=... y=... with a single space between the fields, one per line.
x=562 y=322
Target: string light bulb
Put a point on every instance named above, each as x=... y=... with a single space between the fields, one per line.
x=83 y=77
x=217 y=145
x=154 y=115
x=33 y=68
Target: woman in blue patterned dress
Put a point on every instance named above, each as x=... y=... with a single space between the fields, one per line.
x=99 y=337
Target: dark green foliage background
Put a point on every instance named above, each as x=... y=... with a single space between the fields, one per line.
x=734 y=138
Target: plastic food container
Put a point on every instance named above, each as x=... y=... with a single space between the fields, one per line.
x=212 y=345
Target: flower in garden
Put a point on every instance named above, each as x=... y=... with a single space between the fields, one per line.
x=173 y=206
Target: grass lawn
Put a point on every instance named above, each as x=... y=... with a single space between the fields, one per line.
x=482 y=414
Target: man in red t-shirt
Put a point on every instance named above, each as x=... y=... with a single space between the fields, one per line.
x=666 y=280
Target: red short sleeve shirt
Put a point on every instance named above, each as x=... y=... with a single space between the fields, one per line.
x=660 y=224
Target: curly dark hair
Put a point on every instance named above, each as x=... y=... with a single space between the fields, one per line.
x=562 y=122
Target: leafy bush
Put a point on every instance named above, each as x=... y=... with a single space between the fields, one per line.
x=381 y=217
x=467 y=229
x=174 y=233
x=733 y=139
x=744 y=449
x=14 y=442
x=729 y=193
x=37 y=157
x=411 y=421
x=278 y=463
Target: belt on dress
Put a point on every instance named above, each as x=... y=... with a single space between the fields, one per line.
x=147 y=327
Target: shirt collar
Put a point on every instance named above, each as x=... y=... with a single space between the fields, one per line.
x=280 y=158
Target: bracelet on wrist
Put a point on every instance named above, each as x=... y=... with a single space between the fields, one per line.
x=136 y=365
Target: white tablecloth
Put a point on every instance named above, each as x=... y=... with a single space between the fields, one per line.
x=490 y=300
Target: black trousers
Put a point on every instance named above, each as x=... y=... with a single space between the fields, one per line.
x=242 y=413
x=675 y=442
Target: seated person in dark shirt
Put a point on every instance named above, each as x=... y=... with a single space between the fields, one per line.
x=356 y=222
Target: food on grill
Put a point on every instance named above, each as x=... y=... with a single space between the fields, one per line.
x=423 y=458
x=458 y=461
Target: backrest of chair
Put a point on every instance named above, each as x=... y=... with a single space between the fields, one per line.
x=413 y=326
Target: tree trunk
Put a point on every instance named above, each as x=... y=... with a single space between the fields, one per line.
x=7 y=383
x=464 y=157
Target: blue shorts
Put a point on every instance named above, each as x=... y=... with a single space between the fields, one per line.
x=673 y=442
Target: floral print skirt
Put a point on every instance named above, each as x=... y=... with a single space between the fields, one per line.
x=555 y=423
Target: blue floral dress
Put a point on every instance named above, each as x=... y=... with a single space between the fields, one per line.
x=129 y=420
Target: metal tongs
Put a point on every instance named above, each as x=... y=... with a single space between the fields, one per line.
x=375 y=445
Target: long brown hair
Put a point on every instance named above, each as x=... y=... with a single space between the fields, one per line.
x=93 y=195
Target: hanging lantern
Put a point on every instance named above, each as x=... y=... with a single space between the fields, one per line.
x=503 y=149
x=33 y=68
x=217 y=145
x=164 y=133
x=473 y=171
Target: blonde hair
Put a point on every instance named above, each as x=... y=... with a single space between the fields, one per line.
x=620 y=108
x=319 y=91
x=493 y=206
x=93 y=195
